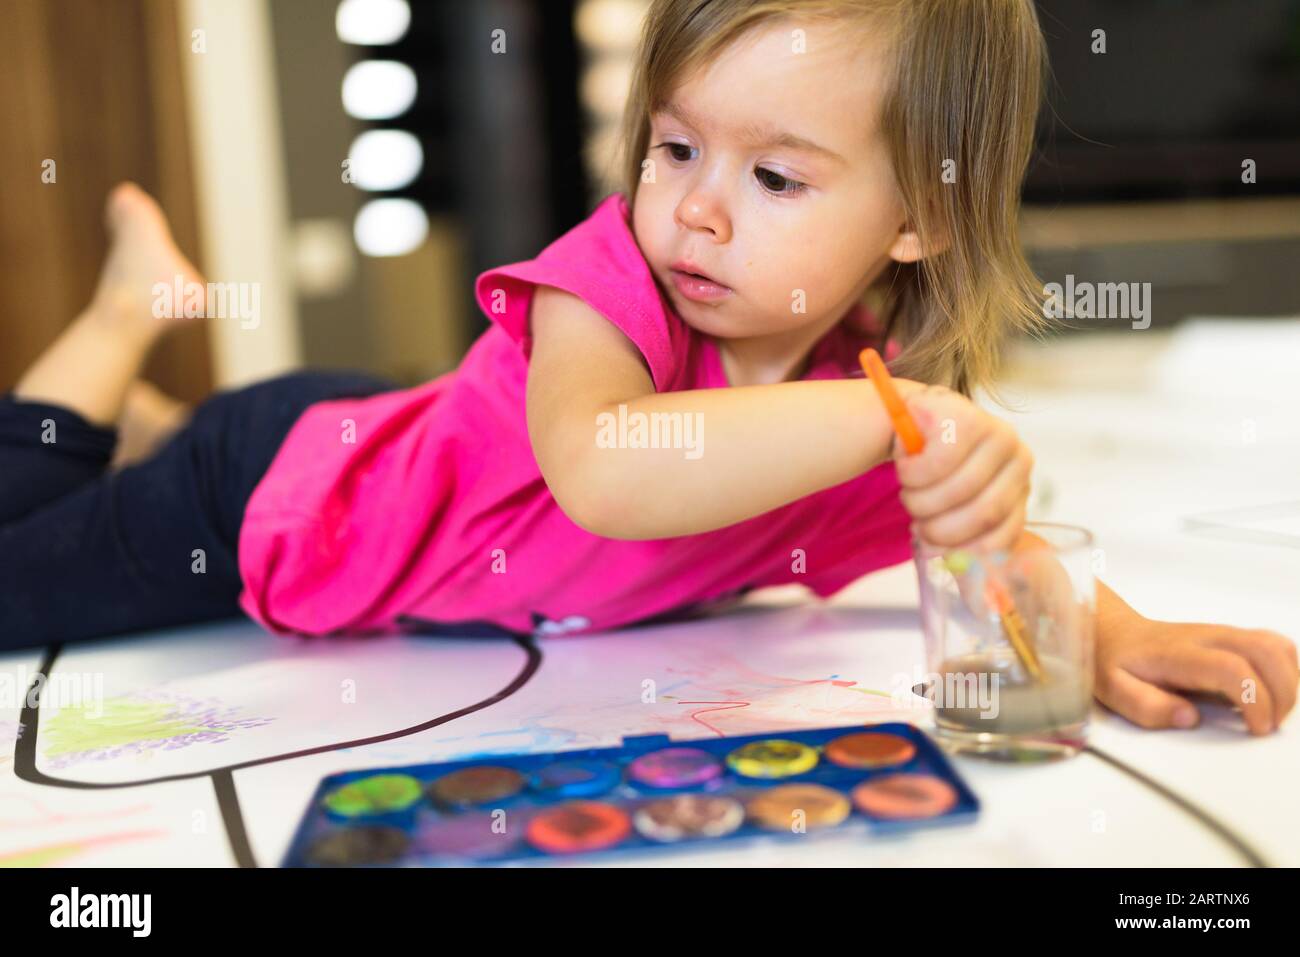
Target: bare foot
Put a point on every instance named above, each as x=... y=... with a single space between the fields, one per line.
x=92 y=363
x=149 y=418
x=137 y=291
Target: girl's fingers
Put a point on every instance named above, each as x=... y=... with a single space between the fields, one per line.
x=988 y=513
x=1004 y=537
x=1143 y=703
x=939 y=458
x=1195 y=668
x=1273 y=656
x=966 y=481
x=930 y=466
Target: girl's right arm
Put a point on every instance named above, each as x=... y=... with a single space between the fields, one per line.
x=759 y=447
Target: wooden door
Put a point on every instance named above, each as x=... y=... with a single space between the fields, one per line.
x=97 y=87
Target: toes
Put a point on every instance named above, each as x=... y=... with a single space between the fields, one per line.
x=120 y=198
x=128 y=203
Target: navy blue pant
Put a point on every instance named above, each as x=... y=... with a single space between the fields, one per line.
x=86 y=552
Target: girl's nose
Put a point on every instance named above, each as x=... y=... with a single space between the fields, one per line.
x=700 y=211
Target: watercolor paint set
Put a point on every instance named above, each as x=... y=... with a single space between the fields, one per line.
x=650 y=793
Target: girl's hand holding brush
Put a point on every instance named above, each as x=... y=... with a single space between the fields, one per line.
x=1000 y=457
x=969 y=485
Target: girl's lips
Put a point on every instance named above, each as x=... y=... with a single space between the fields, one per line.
x=697 y=288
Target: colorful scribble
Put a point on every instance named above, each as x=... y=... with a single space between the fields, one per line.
x=23 y=811
x=721 y=706
x=49 y=855
x=136 y=725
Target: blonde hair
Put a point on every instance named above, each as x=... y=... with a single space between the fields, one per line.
x=966 y=82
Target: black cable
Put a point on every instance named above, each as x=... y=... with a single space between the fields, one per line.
x=1252 y=857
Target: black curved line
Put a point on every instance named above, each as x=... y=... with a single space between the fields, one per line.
x=1238 y=844
x=223 y=782
x=25 y=747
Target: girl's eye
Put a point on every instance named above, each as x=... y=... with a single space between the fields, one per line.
x=776 y=183
x=673 y=149
x=771 y=181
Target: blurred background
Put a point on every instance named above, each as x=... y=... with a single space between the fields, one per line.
x=363 y=160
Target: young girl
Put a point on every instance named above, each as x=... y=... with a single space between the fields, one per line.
x=664 y=413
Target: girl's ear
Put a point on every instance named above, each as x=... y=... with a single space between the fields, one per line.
x=907 y=247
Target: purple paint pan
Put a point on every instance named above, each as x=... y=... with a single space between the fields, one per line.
x=675 y=768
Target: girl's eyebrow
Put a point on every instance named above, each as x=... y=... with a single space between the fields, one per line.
x=757 y=134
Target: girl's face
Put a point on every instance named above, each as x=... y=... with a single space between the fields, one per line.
x=771 y=178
